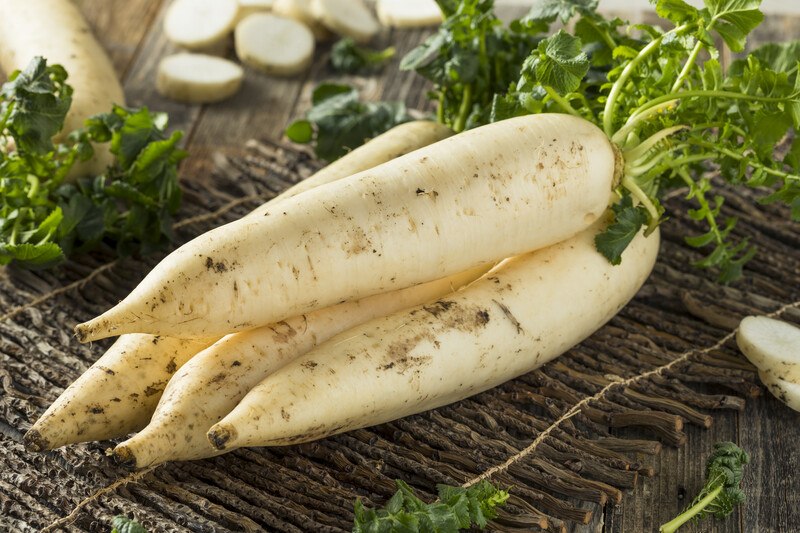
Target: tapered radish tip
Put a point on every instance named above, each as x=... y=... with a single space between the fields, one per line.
x=220 y=436
x=124 y=457
x=34 y=442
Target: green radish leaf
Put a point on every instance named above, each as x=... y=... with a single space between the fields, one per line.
x=347 y=57
x=734 y=20
x=339 y=122
x=559 y=63
x=628 y=221
x=300 y=131
x=35 y=102
x=677 y=11
x=550 y=10
x=457 y=508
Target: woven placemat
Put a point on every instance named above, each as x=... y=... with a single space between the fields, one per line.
x=667 y=360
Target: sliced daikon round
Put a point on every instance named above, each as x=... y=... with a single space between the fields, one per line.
x=199 y=24
x=198 y=78
x=785 y=391
x=349 y=18
x=771 y=345
x=273 y=44
x=300 y=10
x=408 y=13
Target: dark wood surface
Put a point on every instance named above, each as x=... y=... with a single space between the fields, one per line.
x=131 y=32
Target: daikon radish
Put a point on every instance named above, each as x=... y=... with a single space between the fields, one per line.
x=210 y=385
x=524 y=313
x=488 y=193
x=116 y=395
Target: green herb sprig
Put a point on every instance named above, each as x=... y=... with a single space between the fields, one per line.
x=339 y=121
x=123 y=524
x=456 y=508
x=347 y=57
x=43 y=218
x=721 y=493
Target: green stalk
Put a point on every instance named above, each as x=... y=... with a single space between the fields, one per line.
x=754 y=164
x=33 y=181
x=604 y=34
x=687 y=67
x=707 y=94
x=637 y=192
x=634 y=120
x=678 y=521
x=648 y=144
x=440 y=108
x=463 y=111
x=564 y=104
x=616 y=89
x=640 y=166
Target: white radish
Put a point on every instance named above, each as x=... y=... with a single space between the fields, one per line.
x=516 y=318
x=200 y=24
x=349 y=18
x=216 y=379
x=275 y=45
x=300 y=10
x=534 y=180
x=408 y=13
x=400 y=140
x=198 y=78
x=57 y=31
x=141 y=364
x=773 y=346
x=116 y=395
x=787 y=392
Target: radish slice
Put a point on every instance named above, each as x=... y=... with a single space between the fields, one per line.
x=785 y=391
x=273 y=44
x=408 y=13
x=771 y=345
x=198 y=78
x=198 y=24
x=350 y=18
x=248 y=7
x=300 y=10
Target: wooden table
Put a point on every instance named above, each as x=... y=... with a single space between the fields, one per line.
x=131 y=32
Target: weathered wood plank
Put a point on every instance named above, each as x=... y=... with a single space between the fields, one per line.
x=140 y=78
x=770 y=432
x=120 y=26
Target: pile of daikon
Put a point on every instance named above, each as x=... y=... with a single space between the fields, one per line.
x=392 y=284
x=382 y=293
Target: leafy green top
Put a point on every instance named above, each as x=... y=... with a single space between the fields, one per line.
x=339 y=121
x=721 y=493
x=470 y=59
x=673 y=116
x=349 y=58
x=42 y=218
x=457 y=508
